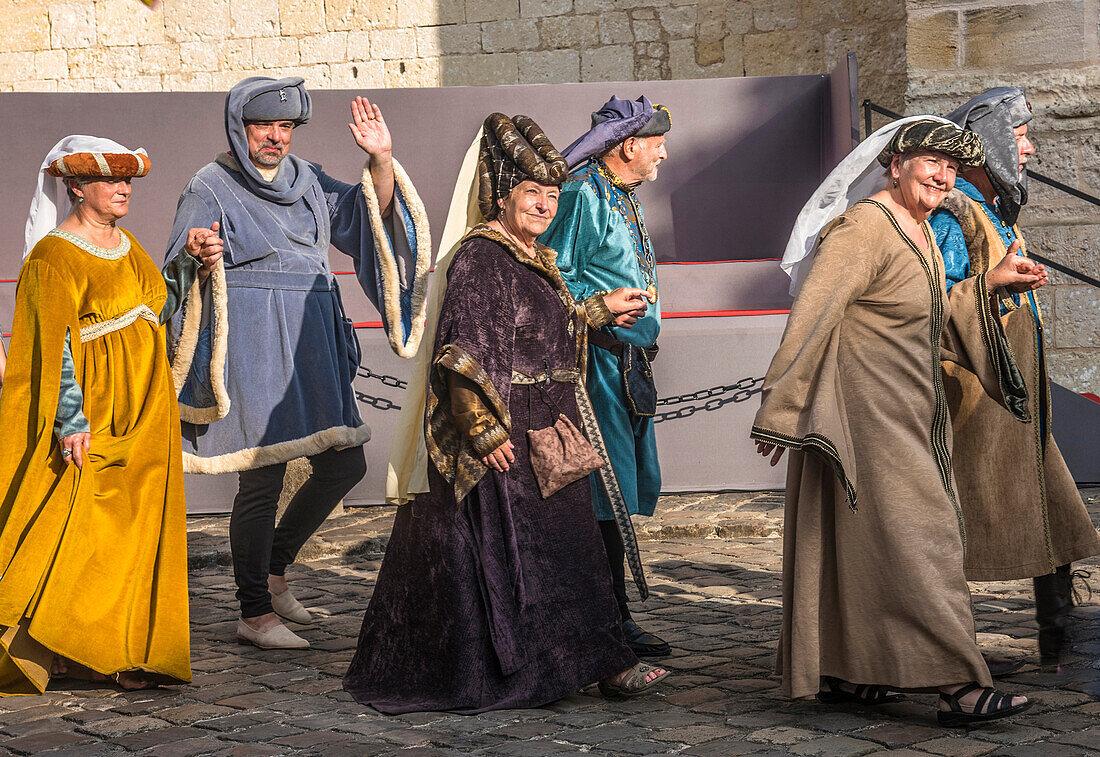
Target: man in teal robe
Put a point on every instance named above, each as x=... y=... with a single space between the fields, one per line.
x=600 y=235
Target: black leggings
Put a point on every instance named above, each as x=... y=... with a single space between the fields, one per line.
x=616 y=560
x=258 y=547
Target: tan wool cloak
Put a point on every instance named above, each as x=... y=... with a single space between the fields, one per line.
x=1040 y=522
x=873 y=584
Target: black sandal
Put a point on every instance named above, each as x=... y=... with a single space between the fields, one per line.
x=999 y=706
x=865 y=694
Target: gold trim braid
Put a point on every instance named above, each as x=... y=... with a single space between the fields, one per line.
x=611 y=486
x=941 y=415
x=96 y=330
x=821 y=444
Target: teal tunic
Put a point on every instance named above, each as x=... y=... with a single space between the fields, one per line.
x=600 y=236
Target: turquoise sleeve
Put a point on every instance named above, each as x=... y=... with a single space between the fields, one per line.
x=575 y=231
x=952 y=244
x=69 y=418
x=179 y=275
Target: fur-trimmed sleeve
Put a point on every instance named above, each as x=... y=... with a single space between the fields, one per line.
x=391 y=256
x=198 y=332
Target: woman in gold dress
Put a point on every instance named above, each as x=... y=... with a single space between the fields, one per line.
x=93 y=555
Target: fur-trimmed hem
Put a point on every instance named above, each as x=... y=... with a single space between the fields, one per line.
x=188 y=341
x=387 y=261
x=337 y=437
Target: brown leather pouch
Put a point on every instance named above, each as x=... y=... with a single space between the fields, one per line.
x=560 y=455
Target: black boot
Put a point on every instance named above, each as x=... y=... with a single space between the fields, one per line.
x=641 y=642
x=1053 y=600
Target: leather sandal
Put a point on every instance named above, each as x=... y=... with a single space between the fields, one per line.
x=633 y=683
x=991 y=705
x=865 y=694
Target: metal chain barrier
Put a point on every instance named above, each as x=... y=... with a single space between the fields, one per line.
x=387 y=380
x=739 y=392
x=380 y=403
x=714 y=397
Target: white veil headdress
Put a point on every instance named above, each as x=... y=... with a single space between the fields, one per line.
x=50 y=203
x=856 y=178
x=407 y=475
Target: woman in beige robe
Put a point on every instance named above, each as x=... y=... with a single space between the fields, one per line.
x=874 y=594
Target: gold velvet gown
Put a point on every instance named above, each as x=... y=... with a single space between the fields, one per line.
x=93 y=562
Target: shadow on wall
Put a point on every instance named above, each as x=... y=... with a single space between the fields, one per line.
x=768 y=171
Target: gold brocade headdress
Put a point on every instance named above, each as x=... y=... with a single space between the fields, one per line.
x=936 y=136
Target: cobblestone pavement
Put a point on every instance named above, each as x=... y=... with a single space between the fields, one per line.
x=713 y=563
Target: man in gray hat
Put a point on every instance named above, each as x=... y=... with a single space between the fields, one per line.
x=263 y=355
x=1037 y=527
x=600 y=235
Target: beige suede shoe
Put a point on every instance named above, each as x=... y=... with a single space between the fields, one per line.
x=289 y=608
x=278 y=637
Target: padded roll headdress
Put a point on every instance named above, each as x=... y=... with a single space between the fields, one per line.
x=860 y=175
x=513 y=150
x=504 y=152
x=77 y=155
x=926 y=134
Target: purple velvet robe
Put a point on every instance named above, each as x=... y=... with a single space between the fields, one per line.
x=503 y=599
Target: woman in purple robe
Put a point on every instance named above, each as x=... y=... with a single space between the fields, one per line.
x=491 y=596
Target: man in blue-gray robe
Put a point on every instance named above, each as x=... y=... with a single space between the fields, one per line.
x=600 y=235
x=263 y=355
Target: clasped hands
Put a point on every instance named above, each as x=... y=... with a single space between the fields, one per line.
x=627 y=304
x=1016 y=274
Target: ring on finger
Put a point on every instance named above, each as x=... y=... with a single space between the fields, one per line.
x=66 y=453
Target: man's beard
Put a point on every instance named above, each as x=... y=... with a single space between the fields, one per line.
x=266 y=160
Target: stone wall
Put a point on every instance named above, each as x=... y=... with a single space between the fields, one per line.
x=956 y=49
x=119 y=45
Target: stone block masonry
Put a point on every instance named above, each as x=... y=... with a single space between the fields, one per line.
x=119 y=45
x=954 y=50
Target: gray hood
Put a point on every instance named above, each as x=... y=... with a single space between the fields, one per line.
x=261 y=95
x=993 y=115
